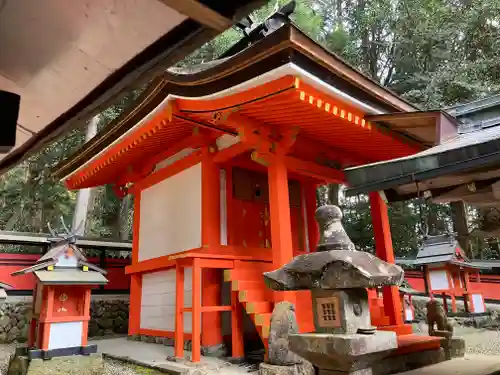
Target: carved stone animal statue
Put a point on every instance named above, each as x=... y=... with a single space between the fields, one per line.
x=437 y=317
x=283 y=323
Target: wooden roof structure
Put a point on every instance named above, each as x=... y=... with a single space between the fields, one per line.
x=285 y=81
x=443 y=249
x=464 y=167
x=46 y=268
x=71 y=60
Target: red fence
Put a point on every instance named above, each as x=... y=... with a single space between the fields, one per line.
x=118 y=280
x=489 y=285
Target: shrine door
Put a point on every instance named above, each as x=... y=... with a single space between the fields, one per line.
x=250 y=211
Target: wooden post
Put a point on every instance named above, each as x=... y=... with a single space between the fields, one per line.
x=134 y=321
x=229 y=205
x=179 y=315
x=445 y=302
x=211 y=238
x=86 y=309
x=384 y=250
x=238 y=349
x=196 y=313
x=312 y=224
x=49 y=307
x=281 y=227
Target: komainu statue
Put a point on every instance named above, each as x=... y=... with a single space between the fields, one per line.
x=437 y=320
x=283 y=323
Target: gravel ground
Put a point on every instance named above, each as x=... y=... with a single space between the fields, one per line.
x=110 y=367
x=120 y=368
x=478 y=341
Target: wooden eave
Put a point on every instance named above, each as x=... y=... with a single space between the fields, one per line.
x=281 y=104
x=283 y=46
x=35 y=267
x=422 y=125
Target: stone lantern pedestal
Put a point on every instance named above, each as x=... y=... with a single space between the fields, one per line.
x=344 y=342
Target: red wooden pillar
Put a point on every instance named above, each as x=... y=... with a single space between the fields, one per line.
x=86 y=309
x=196 y=313
x=312 y=224
x=281 y=227
x=134 y=322
x=179 y=315
x=237 y=346
x=210 y=229
x=49 y=308
x=384 y=250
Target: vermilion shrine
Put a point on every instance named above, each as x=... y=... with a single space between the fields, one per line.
x=61 y=302
x=447 y=272
x=223 y=161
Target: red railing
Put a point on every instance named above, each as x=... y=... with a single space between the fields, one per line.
x=489 y=284
x=118 y=280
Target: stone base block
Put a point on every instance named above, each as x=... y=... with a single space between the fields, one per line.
x=303 y=369
x=407 y=362
x=454 y=347
x=341 y=352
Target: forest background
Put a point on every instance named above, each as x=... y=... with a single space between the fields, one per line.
x=434 y=53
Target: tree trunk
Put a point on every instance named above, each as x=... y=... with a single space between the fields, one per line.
x=84 y=198
x=333 y=194
x=459 y=216
x=123 y=219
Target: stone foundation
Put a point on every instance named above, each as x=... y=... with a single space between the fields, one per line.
x=407 y=362
x=207 y=351
x=108 y=317
x=303 y=369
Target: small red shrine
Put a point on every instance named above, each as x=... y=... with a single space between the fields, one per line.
x=223 y=161
x=447 y=272
x=61 y=301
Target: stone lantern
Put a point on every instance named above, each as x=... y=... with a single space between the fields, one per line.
x=337 y=275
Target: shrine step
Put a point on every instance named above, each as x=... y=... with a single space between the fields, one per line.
x=258 y=307
x=253 y=293
x=416 y=343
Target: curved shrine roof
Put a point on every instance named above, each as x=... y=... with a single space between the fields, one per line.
x=284 y=81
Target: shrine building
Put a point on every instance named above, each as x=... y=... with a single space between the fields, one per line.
x=223 y=161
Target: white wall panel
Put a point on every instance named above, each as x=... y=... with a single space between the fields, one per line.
x=65 y=335
x=158 y=300
x=170 y=217
x=223 y=208
x=478 y=302
x=439 y=280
